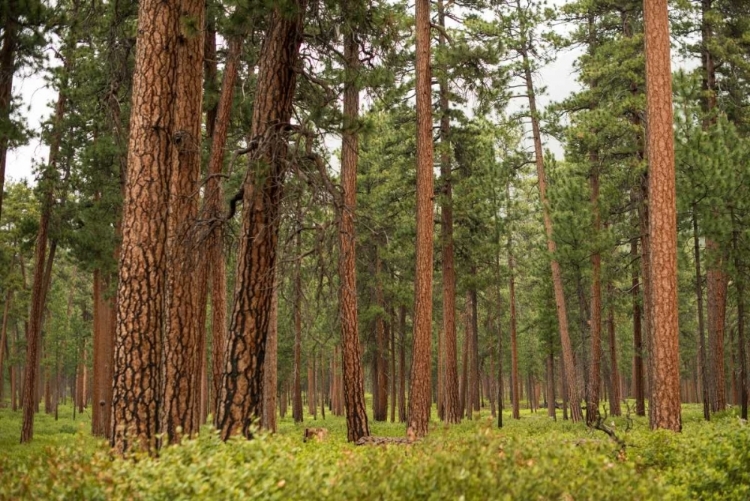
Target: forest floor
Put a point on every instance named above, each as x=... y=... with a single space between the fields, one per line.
x=531 y=458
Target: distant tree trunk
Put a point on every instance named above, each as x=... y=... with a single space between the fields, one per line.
x=475 y=378
x=270 y=374
x=380 y=379
x=551 y=412
x=210 y=72
x=701 y=325
x=614 y=392
x=311 y=407
x=353 y=378
x=514 y=391
x=420 y=401
x=562 y=314
x=402 y=364
x=393 y=366
x=716 y=280
x=665 y=385
x=102 y=387
x=464 y=393
x=450 y=390
x=297 y=307
x=40 y=284
x=592 y=406
x=4 y=340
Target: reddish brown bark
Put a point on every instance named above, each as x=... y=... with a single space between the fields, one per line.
x=702 y=355
x=270 y=374
x=420 y=401
x=354 y=392
x=514 y=383
x=450 y=387
x=7 y=70
x=183 y=339
x=664 y=334
x=562 y=314
x=140 y=304
x=614 y=376
x=40 y=284
x=592 y=406
x=242 y=380
x=380 y=390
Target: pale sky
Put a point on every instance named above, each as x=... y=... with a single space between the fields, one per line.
x=37 y=101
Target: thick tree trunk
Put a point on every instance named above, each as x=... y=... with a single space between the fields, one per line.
x=420 y=401
x=140 y=304
x=354 y=386
x=183 y=339
x=242 y=380
x=664 y=334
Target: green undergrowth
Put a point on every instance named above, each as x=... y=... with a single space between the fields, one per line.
x=534 y=458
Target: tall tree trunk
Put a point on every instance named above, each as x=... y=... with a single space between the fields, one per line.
x=420 y=401
x=7 y=71
x=664 y=334
x=182 y=353
x=450 y=393
x=140 y=304
x=701 y=326
x=562 y=314
x=212 y=266
x=40 y=284
x=716 y=279
x=354 y=386
x=242 y=380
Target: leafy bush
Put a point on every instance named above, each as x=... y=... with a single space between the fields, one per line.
x=534 y=458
